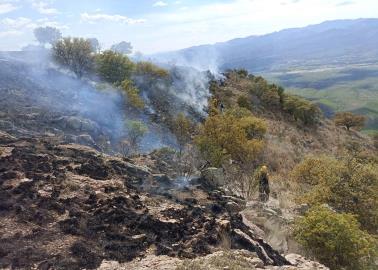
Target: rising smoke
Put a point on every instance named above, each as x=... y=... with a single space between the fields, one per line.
x=67 y=102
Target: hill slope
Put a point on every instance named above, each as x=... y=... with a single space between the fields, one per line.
x=332 y=43
x=332 y=63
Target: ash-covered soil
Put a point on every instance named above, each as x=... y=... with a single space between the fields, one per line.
x=67 y=206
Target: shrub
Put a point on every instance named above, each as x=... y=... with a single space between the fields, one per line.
x=114 y=67
x=125 y=147
x=253 y=127
x=335 y=239
x=270 y=97
x=225 y=137
x=74 y=54
x=147 y=68
x=238 y=112
x=243 y=73
x=346 y=185
x=375 y=140
x=301 y=109
x=243 y=102
x=132 y=94
x=183 y=128
x=348 y=120
x=136 y=131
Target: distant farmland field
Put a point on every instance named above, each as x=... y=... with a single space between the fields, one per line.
x=353 y=88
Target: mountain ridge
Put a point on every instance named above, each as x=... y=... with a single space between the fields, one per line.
x=270 y=51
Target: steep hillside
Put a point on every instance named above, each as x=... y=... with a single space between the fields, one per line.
x=71 y=198
x=332 y=63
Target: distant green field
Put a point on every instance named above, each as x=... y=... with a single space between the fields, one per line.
x=352 y=88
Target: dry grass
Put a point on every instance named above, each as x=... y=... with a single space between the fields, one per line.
x=230 y=260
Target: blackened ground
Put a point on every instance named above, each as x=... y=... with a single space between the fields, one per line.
x=70 y=207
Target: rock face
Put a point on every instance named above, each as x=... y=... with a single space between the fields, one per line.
x=271 y=223
x=67 y=206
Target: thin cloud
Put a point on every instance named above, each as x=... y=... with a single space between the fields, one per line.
x=21 y=23
x=160 y=4
x=345 y=3
x=18 y=23
x=43 y=8
x=7 y=7
x=93 y=18
x=10 y=33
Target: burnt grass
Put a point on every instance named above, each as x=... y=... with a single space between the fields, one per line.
x=70 y=207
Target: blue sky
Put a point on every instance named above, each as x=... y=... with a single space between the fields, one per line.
x=155 y=26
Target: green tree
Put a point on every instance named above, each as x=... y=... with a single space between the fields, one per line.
x=136 y=132
x=243 y=102
x=349 y=120
x=95 y=44
x=301 y=109
x=151 y=70
x=183 y=129
x=336 y=239
x=347 y=185
x=114 y=67
x=132 y=94
x=74 y=54
x=224 y=137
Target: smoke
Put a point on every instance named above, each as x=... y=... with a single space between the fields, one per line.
x=69 y=105
x=201 y=58
x=81 y=106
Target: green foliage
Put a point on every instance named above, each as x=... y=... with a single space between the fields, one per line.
x=336 y=239
x=114 y=67
x=149 y=69
x=375 y=140
x=348 y=120
x=183 y=128
x=301 y=109
x=238 y=112
x=243 y=73
x=347 y=185
x=136 y=131
x=253 y=127
x=224 y=137
x=269 y=94
x=74 y=54
x=243 y=102
x=132 y=94
x=335 y=91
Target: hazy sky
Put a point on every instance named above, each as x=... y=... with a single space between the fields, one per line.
x=153 y=26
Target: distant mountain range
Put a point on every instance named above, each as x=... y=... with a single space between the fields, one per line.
x=331 y=43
